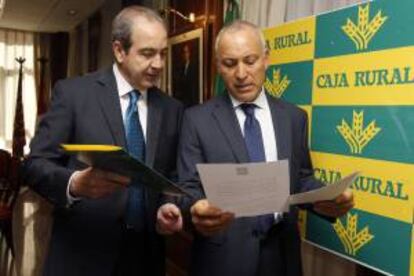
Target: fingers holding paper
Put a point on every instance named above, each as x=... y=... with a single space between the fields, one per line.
x=208 y=219
x=336 y=207
x=169 y=219
x=96 y=183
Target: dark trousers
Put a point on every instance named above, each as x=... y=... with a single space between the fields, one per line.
x=280 y=252
x=134 y=255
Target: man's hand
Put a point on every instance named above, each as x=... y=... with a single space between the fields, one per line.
x=169 y=219
x=95 y=183
x=337 y=207
x=209 y=220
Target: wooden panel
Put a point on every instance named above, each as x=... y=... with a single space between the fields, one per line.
x=209 y=17
x=178 y=254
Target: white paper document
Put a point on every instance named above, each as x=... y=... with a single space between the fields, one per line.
x=252 y=189
x=248 y=189
x=328 y=192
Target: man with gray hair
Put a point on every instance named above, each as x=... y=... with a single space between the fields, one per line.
x=247 y=125
x=104 y=223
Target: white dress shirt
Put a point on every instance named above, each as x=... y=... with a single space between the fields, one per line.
x=123 y=91
x=264 y=116
x=123 y=88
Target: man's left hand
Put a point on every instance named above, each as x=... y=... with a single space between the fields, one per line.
x=335 y=208
x=169 y=219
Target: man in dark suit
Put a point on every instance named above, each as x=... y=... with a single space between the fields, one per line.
x=103 y=225
x=247 y=126
x=186 y=78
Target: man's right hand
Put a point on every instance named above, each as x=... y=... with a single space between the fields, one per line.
x=208 y=219
x=95 y=183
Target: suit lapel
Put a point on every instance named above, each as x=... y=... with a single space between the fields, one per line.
x=108 y=99
x=153 y=125
x=226 y=119
x=281 y=124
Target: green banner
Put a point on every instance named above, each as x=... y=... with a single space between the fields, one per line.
x=377 y=241
x=364 y=130
x=367 y=27
x=291 y=82
x=352 y=71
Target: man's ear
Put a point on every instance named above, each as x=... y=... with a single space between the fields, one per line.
x=218 y=68
x=118 y=50
x=266 y=58
x=218 y=65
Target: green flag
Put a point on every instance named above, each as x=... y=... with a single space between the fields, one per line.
x=232 y=13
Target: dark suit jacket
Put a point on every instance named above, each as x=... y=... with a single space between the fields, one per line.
x=186 y=84
x=86 y=110
x=211 y=134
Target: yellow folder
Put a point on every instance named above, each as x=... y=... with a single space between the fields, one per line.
x=116 y=159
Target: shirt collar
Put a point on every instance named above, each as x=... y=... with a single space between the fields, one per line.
x=123 y=85
x=260 y=101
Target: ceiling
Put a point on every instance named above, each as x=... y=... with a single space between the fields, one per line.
x=46 y=15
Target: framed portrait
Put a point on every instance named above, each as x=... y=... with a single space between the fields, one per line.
x=185 y=67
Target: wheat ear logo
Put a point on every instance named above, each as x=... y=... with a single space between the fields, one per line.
x=351 y=239
x=362 y=33
x=357 y=137
x=278 y=85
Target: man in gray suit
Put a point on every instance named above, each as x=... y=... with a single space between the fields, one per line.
x=103 y=225
x=247 y=125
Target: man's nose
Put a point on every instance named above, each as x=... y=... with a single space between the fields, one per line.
x=157 y=62
x=241 y=72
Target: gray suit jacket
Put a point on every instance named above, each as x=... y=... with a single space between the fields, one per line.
x=86 y=110
x=211 y=134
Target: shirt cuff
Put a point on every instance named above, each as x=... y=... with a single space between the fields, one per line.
x=278 y=217
x=71 y=199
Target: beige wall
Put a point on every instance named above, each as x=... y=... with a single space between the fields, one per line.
x=108 y=11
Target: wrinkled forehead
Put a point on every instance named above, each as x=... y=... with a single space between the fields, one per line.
x=239 y=43
x=143 y=29
x=146 y=23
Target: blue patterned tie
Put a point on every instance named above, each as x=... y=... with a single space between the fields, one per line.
x=254 y=143
x=135 y=215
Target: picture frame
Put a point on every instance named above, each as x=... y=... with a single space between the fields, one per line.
x=185 y=67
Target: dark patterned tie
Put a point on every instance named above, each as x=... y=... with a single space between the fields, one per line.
x=135 y=215
x=254 y=143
